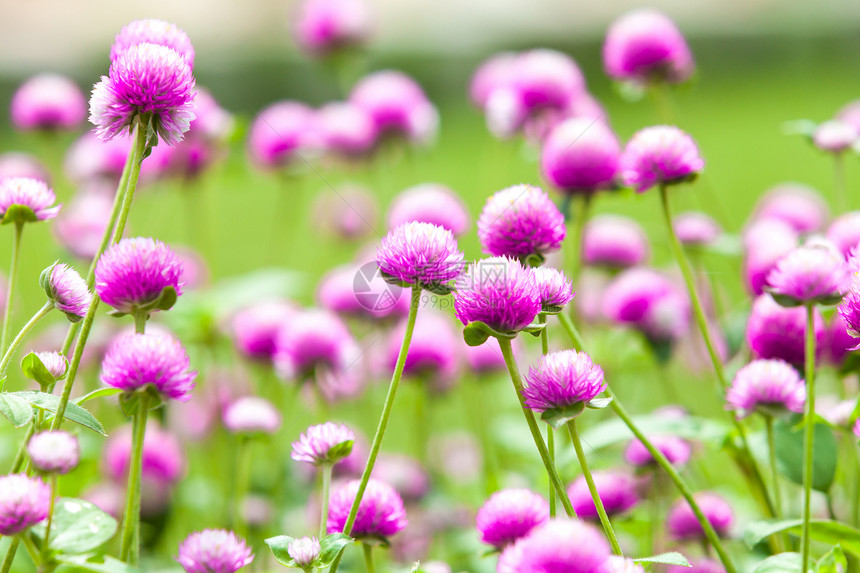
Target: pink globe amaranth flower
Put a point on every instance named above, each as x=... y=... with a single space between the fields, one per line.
x=838 y=341
x=433 y=351
x=520 y=221
x=556 y=290
x=849 y=311
x=252 y=415
x=682 y=524
x=16 y=164
x=214 y=551
x=811 y=274
x=324 y=26
x=397 y=105
x=48 y=101
x=499 y=292
x=353 y=291
x=835 y=136
x=649 y=302
x=614 y=241
x=255 y=328
x=766 y=384
x=406 y=475
x=136 y=361
x=146 y=80
x=619 y=564
x=304 y=551
x=380 y=511
x=509 y=515
x=56 y=363
x=796 y=204
x=346 y=129
x=546 y=78
x=349 y=213
x=617 y=492
x=494 y=73
x=765 y=242
x=676 y=450
x=558 y=545
x=774 y=331
x=282 y=134
x=24 y=502
x=696 y=229
x=313 y=339
x=89 y=158
x=163 y=458
x=563 y=379
x=32 y=194
x=430 y=203
x=54 y=451
x=698 y=566
x=323 y=444
x=844 y=231
x=660 y=155
x=67 y=290
x=644 y=45
x=81 y=225
x=581 y=155
x=151 y=31
x=420 y=254
x=132 y=274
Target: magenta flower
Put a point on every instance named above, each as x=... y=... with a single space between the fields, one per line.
x=282 y=134
x=214 y=551
x=774 y=331
x=496 y=72
x=153 y=32
x=660 y=155
x=420 y=254
x=24 y=502
x=163 y=460
x=56 y=363
x=546 y=79
x=380 y=511
x=397 y=105
x=499 y=292
x=67 y=290
x=581 y=155
x=430 y=203
x=509 y=515
x=696 y=229
x=255 y=328
x=348 y=290
x=556 y=290
x=765 y=242
x=614 y=241
x=33 y=195
x=844 y=231
x=252 y=415
x=835 y=136
x=50 y=102
x=313 y=340
x=346 y=129
x=323 y=444
x=644 y=45
x=676 y=450
x=800 y=206
x=132 y=275
x=682 y=524
x=81 y=225
x=558 y=545
x=137 y=361
x=617 y=492
x=561 y=380
x=838 y=341
x=304 y=551
x=54 y=451
x=849 y=311
x=811 y=274
x=520 y=221
x=324 y=26
x=766 y=384
x=649 y=302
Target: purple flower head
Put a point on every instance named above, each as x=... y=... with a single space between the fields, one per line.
x=32 y=194
x=145 y=80
x=849 y=311
x=835 y=136
x=255 y=328
x=499 y=292
x=313 y=339
x=397 y=105
x=563 y=379
x=808 y=275
x=136 y=361
x=694 y=228
x=619 y=564
x=406 y=475
x=81 y=225
x=346 y=129
x=509 y=515
x=380 y=511
x=617 y=491
x=766 y=384
x=645 y=45
x=304 y=551
x=323 y=444
x=153 y=32
x=430 y=203
x=433 y=352
x=698 y=566
x=581 y=155
x=676 y=450
x=614 y=241
x=324 y=26
x=50 y=102
x=558 y=545
x=774 y=331
x=837 y=340
x=24 y=502
x=556 y=290
x=350 y=213
x=54 y=451
x=132 y=274
x=163 y=459
x=281 y=134
x=765 y=242
x=420 y=254
x=844 y=231
x=660 y=155
x=252 y=415
x=800 y=206
x=495 y=73
x=520 y=221
x=546 y=79
x=56 y=363
x=67 y=290
x=682 y=524
x=15 y=164
x=649 y=302
x=347 y=290
x=214 y=551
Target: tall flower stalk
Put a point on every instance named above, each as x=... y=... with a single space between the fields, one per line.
x=13 y=274
x=808 y=434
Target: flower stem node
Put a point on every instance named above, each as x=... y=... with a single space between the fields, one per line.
x=476 y=332
x=129 y=400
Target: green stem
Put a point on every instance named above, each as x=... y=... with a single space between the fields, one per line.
x=140 y=322
x=139 y=137
x=18 y=464
x=368 y=557
x=30 y=547
x=839 y=182
x=19 y=338
x=550 y=433
x=10 y=289
x=581 y=218
x=809 y=434
x=774 y=473
x=325 y=469
x=46 y=541
x=10 y=555
x=592 y=488
x=516 y=379
x=130 y=548
x=659 y=91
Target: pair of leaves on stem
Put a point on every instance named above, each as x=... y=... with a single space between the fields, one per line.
x=18 y=407
x=165 y=301
x=330 y=546
x=558 y=417
x=476 y=333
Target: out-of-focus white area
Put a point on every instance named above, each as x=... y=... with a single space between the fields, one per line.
x=55 y=34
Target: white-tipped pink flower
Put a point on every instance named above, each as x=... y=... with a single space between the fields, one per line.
x=323 y=444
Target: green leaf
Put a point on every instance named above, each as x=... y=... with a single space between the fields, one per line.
x=278 y=546
x=331 y=545
x=100 y=393
x=78 y=526
x=438 y=288
x=558 y=417
x=823 y=530
x=339 y=451
x=598 y=403
x=17 y=411
x=100 y=564
x=128 y=401
x=533 y=260
x=535 y=328
x=73 y=412
x=833 y=561
x=780 y=563
x=673 y=558
x=788 y=443
x=476 y=333
x=35 y=369
x=19 y=214
x=689 y=427
x=166 y=299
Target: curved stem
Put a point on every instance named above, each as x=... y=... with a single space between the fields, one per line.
x=550 y=433
x=10 y=555
x=595 y=496
x=13 y=274
x=21 y=456
x=576 y=236
x=31 y=548
x=809 y=434
x=368 y=557
x=516 y=379
x=46 y=541
x=572 y=331
x=19 y=338
x=325 y=469
x=131 y=519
